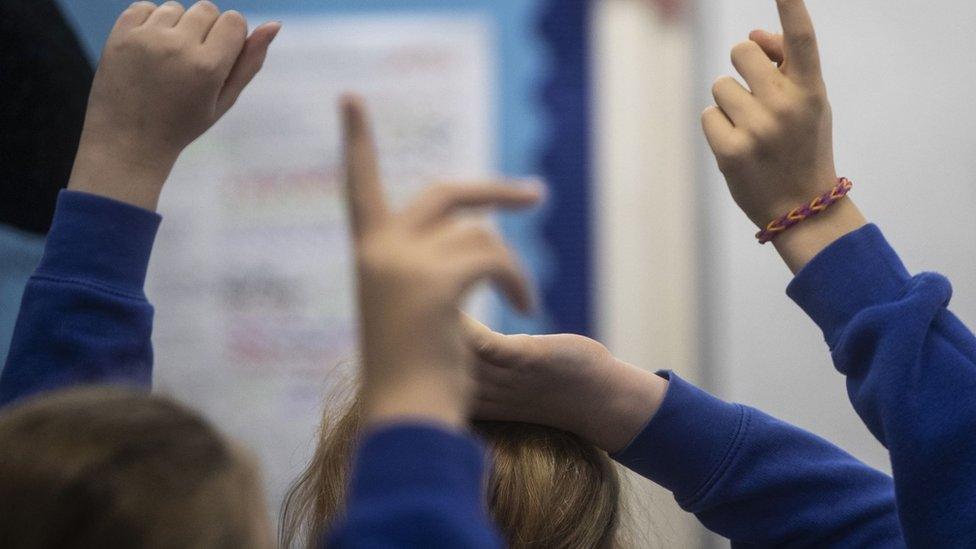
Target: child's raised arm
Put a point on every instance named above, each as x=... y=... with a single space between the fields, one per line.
x=166 y=75
x=910 y=363
x=417 y=480
x=774 y=141
x=747 y=476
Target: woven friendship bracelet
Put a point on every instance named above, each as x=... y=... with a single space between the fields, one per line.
x=798 y=214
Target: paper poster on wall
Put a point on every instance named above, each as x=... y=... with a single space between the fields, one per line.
x=251 y=272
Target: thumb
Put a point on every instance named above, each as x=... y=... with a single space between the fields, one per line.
x=771 y=44
x=248 y=64
x=500 y=349
x=480 y=338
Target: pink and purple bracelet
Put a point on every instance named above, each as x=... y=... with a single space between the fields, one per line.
x=806 y=211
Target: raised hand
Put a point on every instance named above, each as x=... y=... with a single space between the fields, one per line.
x=167 y=74
x=773 y=140
x=413 y=268
x=565 y=381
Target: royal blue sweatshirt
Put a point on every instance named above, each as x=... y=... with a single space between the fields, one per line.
x=747 y=476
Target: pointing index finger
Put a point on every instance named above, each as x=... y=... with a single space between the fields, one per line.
x=364 y=192
x=800 y=39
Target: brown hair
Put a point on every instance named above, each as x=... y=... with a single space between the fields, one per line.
x=115 y=468
x=546 y=488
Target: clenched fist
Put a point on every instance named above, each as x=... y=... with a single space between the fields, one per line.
x=167 y=74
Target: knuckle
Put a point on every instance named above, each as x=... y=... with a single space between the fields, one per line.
x=816 y=101
x=162 y=44
x=764 y=131
x=127 y=42
x=735 y=152
x=782 y=107
x=709 y=112
x=722 y=83
x=804 y=39
x=206 y=66
x=717 y=85
x=235 y=17
x=743 y=49
x=166 y=50
x=778 y=86
x=206 y=5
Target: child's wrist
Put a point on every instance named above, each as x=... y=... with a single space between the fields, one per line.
x=799 y=245
x=440 y=399
x=633 y=396
x=128 y=170
x=772 y=205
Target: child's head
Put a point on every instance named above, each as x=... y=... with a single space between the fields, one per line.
x=546 y=488
x=104 y=467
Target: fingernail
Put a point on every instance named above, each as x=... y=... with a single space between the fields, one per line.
x=277 y=29
x=237 y=13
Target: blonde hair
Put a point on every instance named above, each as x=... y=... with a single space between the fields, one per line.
x=546 y=488
x=101 y=467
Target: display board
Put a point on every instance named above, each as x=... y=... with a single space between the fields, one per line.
x=252 y=276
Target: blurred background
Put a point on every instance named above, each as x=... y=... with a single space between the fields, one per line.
x=640 y=245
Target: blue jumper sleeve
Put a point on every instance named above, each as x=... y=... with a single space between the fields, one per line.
x=758 y=481
x=84 y=317
x=911 y=376
x=416 y=486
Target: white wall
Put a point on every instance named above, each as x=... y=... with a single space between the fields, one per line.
x=645 y=231
x=902 y=78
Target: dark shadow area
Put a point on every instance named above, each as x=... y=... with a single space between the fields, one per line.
x=46 y=79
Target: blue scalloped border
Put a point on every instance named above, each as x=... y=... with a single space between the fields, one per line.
x=566 y=163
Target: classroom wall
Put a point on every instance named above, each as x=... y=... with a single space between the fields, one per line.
x=901 y=77
x=645 y=229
